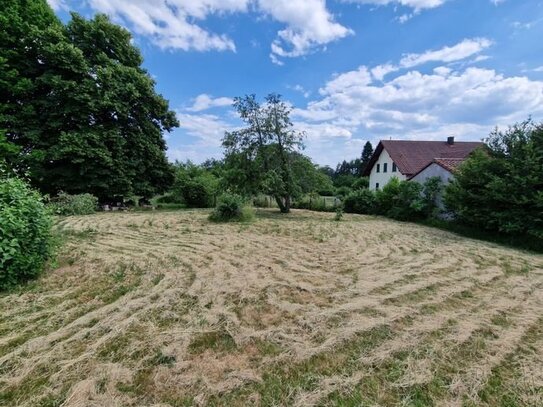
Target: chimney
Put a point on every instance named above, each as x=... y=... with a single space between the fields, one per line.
x=450 y=140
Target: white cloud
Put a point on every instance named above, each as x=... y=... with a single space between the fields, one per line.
x=465 y=101
x=56 y=4
x=309 y=26
x=204 y=102
x=538 y=69
x=207 y=128
x=171 y=24
x=462 y=50
x=178 y=24
x=417 y=5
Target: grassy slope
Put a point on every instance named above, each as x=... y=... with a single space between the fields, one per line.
x=168 y=308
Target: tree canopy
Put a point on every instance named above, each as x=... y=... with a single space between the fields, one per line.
x=501 y=188
x=260 y=155
x=76 y=103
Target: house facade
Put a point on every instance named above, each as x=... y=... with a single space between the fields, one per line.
x=416 y=160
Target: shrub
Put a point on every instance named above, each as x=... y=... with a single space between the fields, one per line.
x=362 y=182
x=169 y=199
x=25 y=233
x=66 y=204
x=231 y=208
x=408 y=203
x=360 y=201
x=343 y=191
x=339 y=214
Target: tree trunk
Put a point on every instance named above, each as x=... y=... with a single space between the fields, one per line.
x=284 y=207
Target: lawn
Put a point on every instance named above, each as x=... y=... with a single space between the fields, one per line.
x=168 y=309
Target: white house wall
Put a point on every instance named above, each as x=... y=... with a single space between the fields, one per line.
x=382 y=178
x=434 y=170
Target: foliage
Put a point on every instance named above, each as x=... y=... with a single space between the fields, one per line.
x=231 y=208
x=66 y=204
x=259 y=157
x=360 y=201
x=339 y=214
x=360 y=183
x=343 y=191
x=195 y=185
x=407 y=203
x=501 y=189
x=25 y=233
x=314 y=202
x=402 y=200
x=308 y=178
x=75 y=99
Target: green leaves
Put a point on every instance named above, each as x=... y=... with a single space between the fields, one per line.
x=77 y=103
x=25 y=238
x=500 y=189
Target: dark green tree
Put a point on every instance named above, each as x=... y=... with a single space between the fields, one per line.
x=501 y=188
x=260 y=155
x=367 y=152
x=78 y=104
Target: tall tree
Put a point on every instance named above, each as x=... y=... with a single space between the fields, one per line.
x=501 y=188
x=260 y=155
x=367 y=152
x=84 y=113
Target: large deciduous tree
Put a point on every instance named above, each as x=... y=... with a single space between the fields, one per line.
x=78 y=104
x=260 y=155
x=501 y=188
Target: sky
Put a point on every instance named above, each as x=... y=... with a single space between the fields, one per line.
x=353 y=70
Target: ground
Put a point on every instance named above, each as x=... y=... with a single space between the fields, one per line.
x=168 y=309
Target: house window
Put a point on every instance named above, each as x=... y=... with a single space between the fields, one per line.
x=378 y=167
x=394 y=167
x=385 y=165
x=377 y=185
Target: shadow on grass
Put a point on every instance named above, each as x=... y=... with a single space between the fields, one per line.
x=529 y=243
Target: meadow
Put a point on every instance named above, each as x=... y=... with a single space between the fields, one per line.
x=169 y=309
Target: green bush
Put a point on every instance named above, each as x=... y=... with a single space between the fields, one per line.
x=500 y=188
x=25 y=233
x=360 y=201
x=362 y=182
x=231 y=208
x=407 y=203
x=66 y=204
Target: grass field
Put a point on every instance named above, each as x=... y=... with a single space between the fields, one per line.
x=167 y=309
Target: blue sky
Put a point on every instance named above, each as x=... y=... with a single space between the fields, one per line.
x=353 y=70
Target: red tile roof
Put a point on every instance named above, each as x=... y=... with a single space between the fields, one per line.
x=412 y=156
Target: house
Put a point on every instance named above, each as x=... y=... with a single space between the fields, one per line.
x=416 y=160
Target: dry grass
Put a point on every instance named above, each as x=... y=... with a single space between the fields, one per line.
x=167 y=309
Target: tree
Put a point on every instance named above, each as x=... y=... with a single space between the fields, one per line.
x=501 y=188
x=260 y=155
x=367 y=152
x=80 y=107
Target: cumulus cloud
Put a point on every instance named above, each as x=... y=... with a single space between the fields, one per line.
x=309 y=25
x=464 y=101
x=204 y=102
x=178 y=24
x=467 y=48
x=208 y=129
